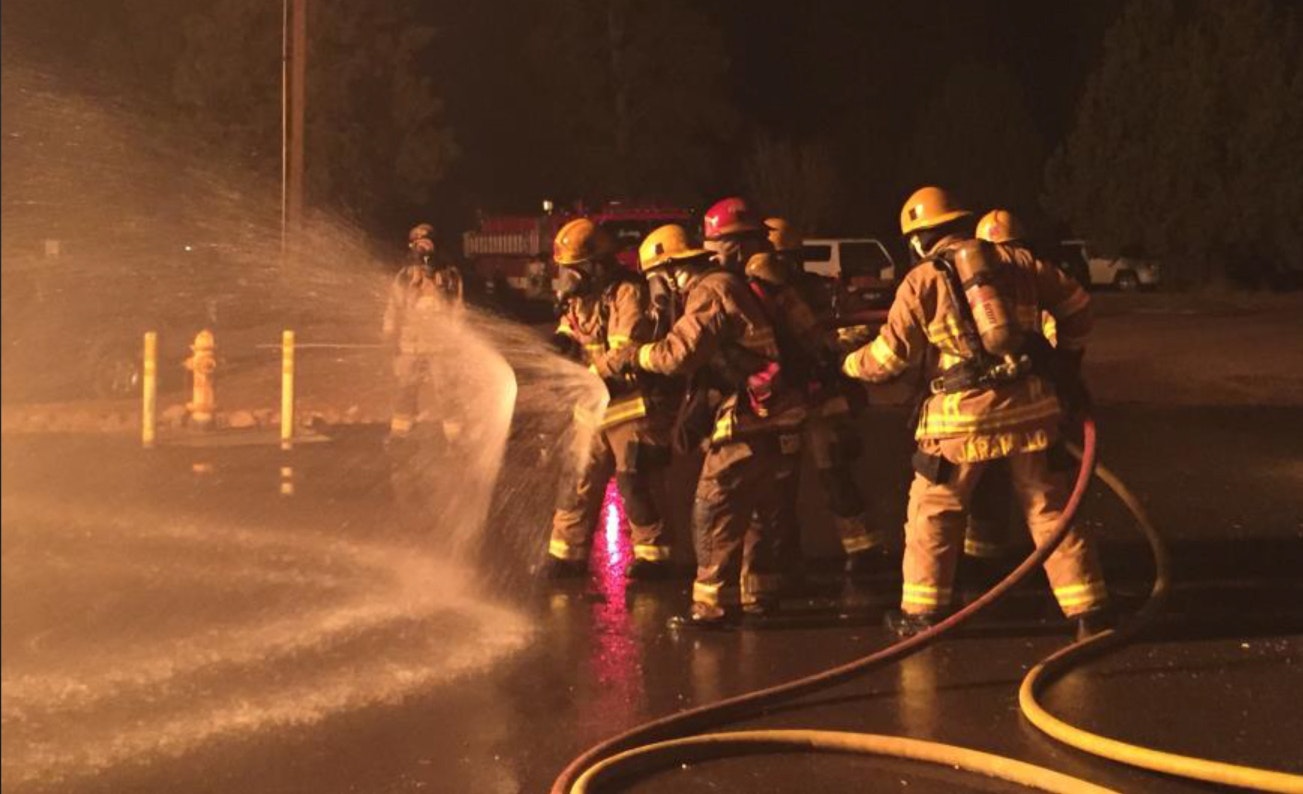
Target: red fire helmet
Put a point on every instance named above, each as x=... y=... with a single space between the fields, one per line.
x=732 y=215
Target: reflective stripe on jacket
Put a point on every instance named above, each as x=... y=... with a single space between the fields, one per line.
x=616 y=318
x=922 y=316
x=724 y=326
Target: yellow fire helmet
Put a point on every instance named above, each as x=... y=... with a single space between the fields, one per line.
x=927 y=208
x=666 y=243
x=783 y=235
x=767 y=267
x=1000 y=226
x=581 y=241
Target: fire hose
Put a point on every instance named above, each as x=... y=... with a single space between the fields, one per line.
x=677 y=738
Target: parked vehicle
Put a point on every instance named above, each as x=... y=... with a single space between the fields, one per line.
x=514 y=252
x=1120 y=272
x=863 y=259
x=1071 y=259
x=862 y=275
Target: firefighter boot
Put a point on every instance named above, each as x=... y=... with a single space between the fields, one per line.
x=906 y=624
x=704 y=616
x=557 y=568
x=647 y=570
x=764 y=606
x=1095 y=621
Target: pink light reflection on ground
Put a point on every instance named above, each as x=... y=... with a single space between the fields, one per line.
x=614 y=526
x=616 y=660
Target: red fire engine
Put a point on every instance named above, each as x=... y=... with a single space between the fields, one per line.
x=515 y=251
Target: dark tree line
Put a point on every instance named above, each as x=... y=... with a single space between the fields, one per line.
x=376 y=138
x=1184 y=142
x=1188 y=140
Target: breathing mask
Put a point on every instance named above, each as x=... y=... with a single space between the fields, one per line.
x=661 y=292
x=572 y=283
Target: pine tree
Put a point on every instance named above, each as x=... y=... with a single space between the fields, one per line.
x=376 y=143
x=1187 y=140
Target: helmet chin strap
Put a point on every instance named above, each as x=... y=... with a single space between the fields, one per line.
x=916 y=248
x=680 y=276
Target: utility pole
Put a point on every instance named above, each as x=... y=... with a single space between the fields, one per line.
x=294 y=63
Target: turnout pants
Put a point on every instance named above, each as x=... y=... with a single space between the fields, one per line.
x=411 y=370
x=937 y=517
x=636 y=453
x=835 y=445
x=746 y=497
x=990 y=512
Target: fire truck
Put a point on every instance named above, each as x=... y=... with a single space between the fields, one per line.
x=514 y=252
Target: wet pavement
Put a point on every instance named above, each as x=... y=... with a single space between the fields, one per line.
x=173 y=622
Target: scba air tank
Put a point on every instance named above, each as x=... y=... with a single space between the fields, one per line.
x=977 y=267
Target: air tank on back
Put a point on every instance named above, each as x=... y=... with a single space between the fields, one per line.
x=977 y=266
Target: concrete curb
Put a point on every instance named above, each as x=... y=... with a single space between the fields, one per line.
x=33 y=419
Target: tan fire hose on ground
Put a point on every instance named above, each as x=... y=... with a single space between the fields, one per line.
x=650 y=746
x=1061 y=661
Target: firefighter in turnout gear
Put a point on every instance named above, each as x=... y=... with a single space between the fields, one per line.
x=830 y=430
x=739 y=404
x=986 y=541
x=605 y=308
x=999 y=392
x=425 y=293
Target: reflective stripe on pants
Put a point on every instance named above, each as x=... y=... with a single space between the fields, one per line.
x=576 y=516
x=411 y=370
x=745 y=496
x=936 y=521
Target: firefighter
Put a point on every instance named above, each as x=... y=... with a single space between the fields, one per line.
x=1002 y=226
x=830 y=431
x=986 y=541
x=424 y=291
x=605 y=308
x=726 y=344
x=978 y=305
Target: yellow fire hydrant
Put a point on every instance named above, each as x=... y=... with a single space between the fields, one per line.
x=201 y=363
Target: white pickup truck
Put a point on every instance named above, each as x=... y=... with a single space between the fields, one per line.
x=861 y=272
x=1124 y=273
x=860 y=257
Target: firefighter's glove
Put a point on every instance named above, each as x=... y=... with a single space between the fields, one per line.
x=618 y=364
x=853 y=337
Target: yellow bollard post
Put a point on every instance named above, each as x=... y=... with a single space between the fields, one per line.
x=287 y=389
x=149 y=392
